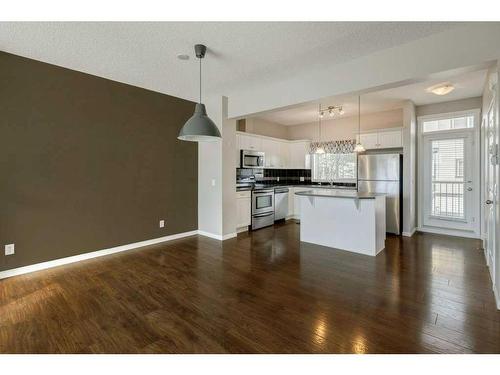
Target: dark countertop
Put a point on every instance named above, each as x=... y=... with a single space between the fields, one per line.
x=335 y=193
x=273 y=186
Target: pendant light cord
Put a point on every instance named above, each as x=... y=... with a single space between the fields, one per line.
x=319 y=139
x=359 y=116
x=200 y=79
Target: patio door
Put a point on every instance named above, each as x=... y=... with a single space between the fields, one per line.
x=450 y=180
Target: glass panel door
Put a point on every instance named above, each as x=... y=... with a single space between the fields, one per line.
x=448 y=181
x=447 y=178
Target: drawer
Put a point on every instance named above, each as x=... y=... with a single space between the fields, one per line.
x=243 y=194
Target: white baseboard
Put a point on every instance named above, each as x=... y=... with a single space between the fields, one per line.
x=497 y=296
x=228 y=236
x=217 y=236
x=93 y=254
x=449 y=232
x=210 y=235
x=241 y=229
x=409 y=234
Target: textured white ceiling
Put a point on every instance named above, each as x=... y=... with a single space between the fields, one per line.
x=466 y=86
x=144 y=53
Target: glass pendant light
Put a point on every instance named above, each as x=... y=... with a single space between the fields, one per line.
x=359 y=147
x=319 y=149
x=199 y=128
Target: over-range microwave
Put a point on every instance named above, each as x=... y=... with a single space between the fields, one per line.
x=251 y=159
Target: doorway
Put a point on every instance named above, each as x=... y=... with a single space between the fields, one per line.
x=449 y=190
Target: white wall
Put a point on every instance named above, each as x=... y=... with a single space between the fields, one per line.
x=452 y=106
x=229 y=221
x=409 y=169
x=346 y=127
x=256 y=125
x=210 y=170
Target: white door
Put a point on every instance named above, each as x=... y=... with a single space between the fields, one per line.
x=490 y=167
x=450 y=182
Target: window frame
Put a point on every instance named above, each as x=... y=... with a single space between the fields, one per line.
x=448 y=115
x=343 y=180
x=459 y=163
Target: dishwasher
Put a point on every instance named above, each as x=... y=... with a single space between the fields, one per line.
x=280 y=203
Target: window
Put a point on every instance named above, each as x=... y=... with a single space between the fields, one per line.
x=447 y=197
x=462 y=122
x=334 y=167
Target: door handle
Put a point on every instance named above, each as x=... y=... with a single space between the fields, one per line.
x=489 y=201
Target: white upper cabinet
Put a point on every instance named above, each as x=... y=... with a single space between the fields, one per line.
x=284 y=161
x=382 y=139
x=279 y=153
x=271 y=148
x=390 y=139
x=298 y=154
x=369 y=140
x=249 y=142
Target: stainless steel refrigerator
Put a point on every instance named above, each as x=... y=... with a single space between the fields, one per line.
x=382 y=173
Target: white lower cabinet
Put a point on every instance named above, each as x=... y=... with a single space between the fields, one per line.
x=291 y=197
x=243 y=209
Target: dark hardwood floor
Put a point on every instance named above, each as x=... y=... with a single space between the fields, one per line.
x=263 y=292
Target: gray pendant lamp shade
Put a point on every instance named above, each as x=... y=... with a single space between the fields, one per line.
x=199 y=128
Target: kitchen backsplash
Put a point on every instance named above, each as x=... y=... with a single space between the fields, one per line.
x=293 y=176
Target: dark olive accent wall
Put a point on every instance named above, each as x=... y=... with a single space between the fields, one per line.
x=87 y=163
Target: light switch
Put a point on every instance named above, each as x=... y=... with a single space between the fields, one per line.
x=162 y=223
x=213 y=181
x=9 y=249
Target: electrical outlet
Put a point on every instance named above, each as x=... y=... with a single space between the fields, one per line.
x=302 y=179
x=162 y=223
x=9 y=249
x=277 y=179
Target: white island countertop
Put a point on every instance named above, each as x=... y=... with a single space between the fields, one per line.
x=346 y=220
x=331 y=193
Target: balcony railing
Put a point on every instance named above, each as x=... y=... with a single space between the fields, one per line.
x=448 y=199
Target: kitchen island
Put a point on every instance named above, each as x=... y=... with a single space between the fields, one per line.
x=346 y=220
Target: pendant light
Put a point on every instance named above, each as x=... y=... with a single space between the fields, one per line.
x=359 y=147
x=199 y=128
x=319 y=149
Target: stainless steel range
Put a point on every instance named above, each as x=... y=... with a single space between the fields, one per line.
x=262 y=208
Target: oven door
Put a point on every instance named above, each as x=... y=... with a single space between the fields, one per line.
x=262 y=201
